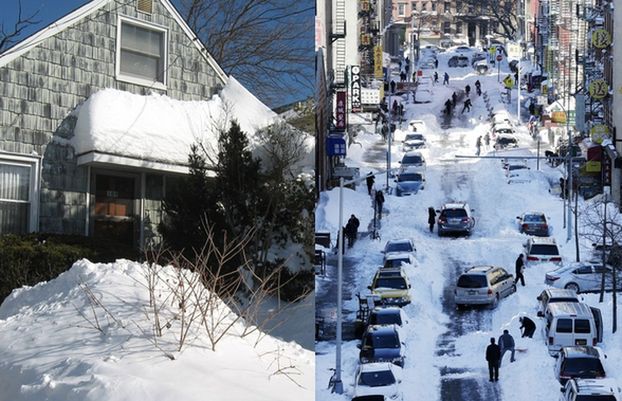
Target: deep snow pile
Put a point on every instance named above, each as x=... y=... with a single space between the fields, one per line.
x=157 y=127
x=496 y=240
x=51 y=349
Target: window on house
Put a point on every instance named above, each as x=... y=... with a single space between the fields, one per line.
x=18 y=204
x=433 y=6
x=142 y=53
x=446 y=27
x=401 y=9
x=458 y=27
x=447 y=7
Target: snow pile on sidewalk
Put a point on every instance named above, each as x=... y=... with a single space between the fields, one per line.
x=157 y=127
x=51 y=349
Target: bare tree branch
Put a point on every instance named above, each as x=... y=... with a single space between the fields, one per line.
x=10 y=37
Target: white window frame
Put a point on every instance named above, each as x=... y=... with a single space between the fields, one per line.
x=135 y=80
x=34 y=163
x=402 y=7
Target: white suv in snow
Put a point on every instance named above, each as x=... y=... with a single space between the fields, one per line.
x=381 y=378
x=590 y=390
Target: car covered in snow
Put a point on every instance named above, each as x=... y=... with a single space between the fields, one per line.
x=583 y=277
x=412 y=159
x=428 y=63
x=399 y=246
x=378 y=382
x=458 y=61
x=541 y=249
x=554 y=295
x=409 y=182
x=381 y=343
x=591 y=390
x=393 y=289
x=412 y=141
x=579 y=362
x=397 y=259
x=387 y=316
x=505 y=140
x=533 y=223
x=483 y=285
x=423 y=95
x=455 y=217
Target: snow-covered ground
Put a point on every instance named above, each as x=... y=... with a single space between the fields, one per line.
x=52 y=349
x=495 y=240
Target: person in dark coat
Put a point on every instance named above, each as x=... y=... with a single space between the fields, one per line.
x=467 y=105
x=520 y=268
x=431 y=218
x=467 y=89
x=528 y=325
x=506 y=343
x=352 y=229
x=435 y=77
x=448 y=106
x=392 y=84
x=402 y=76
x=446 y=79
x=493 y=355
x=379 y=202
x=454 y=98
x=370 y=182
x=436 y=66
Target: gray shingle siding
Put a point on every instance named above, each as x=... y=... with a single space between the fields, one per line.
x=40 y=89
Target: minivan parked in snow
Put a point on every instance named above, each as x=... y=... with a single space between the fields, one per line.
x=569 y=324
x=482 y=285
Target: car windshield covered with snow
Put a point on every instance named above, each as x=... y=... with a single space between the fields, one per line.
x=414 y=137
x=399 y=246
x=381 y=339
x=377 y=378
x=544 y=249
x=409 y=177
x=472 y=281
x=415 y=160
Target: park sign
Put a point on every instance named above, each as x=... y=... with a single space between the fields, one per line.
x=355 y=88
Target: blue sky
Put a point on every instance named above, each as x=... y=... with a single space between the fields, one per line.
x=51 y=10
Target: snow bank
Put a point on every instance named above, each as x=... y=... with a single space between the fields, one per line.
x=156 y=127
x=50 y=351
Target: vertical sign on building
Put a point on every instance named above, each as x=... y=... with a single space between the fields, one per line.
x=355 y=88
x=340 y=111
x=378 y=62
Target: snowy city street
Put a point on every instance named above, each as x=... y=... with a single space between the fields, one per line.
x=445 y=345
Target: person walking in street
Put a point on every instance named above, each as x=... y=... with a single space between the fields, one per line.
x=392 y=84
x=431 y=218
x=467 y=105
x=506 y=343
x=446 y=79
x=394 y=107
x=528 y=326
x=379 y=201
x=435 y=77
x=478 y=88
x=352 y=228
x=402 y=76
x=448 y=107
x=370 y=182
x=406 y=69
x=467 y=89
x=520 y=268
x=436 y=65
x=487 y=139
x=478 y=145
x=454 y=98
x=493 y=355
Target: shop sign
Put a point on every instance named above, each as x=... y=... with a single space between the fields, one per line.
x=340 y=111
x=598 y=89
x=598 y=133
x=378 y=62
x=601 y=38
x=355 y=88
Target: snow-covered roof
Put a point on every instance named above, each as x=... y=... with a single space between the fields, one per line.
x=157 y=128
x=82 y=12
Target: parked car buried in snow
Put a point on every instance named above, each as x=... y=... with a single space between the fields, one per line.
x=392 y=289
x=377 y=382
x=413 y=141
x=579 y=362
x=458 y=61
x=381 y=343
x=455 y=217
x=483 y=285
x=533 y=223
x=541 y=249
x=409 y=182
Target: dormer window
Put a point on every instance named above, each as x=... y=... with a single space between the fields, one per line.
x=141 y=55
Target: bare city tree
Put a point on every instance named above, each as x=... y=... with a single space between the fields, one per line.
x=10 y=36
x=266 y=44
x=503 y=12
x=602 y=224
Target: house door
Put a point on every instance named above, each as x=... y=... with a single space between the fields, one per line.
x=115 y=208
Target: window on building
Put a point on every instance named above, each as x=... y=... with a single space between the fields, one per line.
x=458 y=27
x=401 y=9
x=413 y=6
x=458 y=6
x=433 y=6
x=447 y=7
x=446 y=27
x=18 y=203
x=141 y=57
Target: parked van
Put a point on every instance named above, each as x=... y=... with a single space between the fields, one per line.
x=572 y=323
